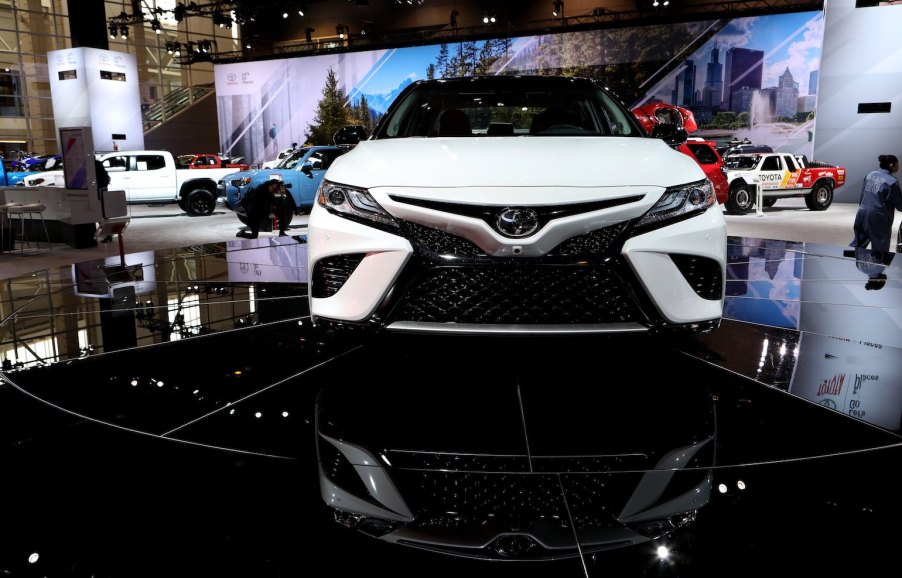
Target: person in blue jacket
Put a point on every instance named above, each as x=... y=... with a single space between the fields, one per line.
x=880 y=198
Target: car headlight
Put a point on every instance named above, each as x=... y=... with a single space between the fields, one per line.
x=680 y=202
x=353 y=203
x=240 y=182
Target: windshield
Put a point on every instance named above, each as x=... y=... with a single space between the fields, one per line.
x=292 y=160
x=507 y=106
x=741 y=161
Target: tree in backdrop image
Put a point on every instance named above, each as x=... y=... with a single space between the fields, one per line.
x=468 y=58
x=331 y=113
x=361 y=113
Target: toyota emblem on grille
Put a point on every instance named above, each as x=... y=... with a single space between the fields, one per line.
x=517 y=222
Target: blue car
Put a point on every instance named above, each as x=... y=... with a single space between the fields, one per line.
x=301 y=173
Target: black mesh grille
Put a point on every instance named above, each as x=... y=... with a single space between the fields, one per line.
x=517 y=294
x=436 y=242
x=458 y=462
x=591 y=243
x=331 y=273
x=703 y=274
x=454 y=500
x=458 y=500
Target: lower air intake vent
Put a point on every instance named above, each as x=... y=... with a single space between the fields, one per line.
x=331 y=273
x=704 y=275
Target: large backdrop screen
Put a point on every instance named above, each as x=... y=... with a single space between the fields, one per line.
x=747 y=78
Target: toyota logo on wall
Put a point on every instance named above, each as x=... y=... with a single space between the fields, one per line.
x=517 y=222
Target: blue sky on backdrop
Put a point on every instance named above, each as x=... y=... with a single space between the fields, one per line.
x=788 y=40
x=399 y=64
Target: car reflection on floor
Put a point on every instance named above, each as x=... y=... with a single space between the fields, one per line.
x=185 y=426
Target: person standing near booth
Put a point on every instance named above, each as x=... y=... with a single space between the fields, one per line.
x=880 y=198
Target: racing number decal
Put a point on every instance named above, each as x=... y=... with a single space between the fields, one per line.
x=791 y=180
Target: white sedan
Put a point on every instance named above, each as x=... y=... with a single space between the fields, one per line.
x=516 y=204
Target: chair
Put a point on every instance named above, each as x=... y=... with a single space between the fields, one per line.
x=550 y=117
x=4 y=218
x=500 y=129
x=454 y=122
x=31 y=210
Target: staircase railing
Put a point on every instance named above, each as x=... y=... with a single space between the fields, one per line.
x=173 y=103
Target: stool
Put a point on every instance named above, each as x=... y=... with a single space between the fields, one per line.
x=4 y=218
x=30 y=210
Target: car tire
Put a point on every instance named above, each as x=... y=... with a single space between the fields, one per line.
x=741 y=200
x=820 y=197
x=199 y=203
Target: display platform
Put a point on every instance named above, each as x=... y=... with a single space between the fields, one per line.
x=164 y=417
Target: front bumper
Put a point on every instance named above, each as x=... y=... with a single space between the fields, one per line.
x=610 y=279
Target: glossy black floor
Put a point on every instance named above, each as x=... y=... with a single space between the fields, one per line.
x=166 y=426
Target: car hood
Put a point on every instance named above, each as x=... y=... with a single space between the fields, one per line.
x=514 y=162
x=48 y=178
x=255 y=173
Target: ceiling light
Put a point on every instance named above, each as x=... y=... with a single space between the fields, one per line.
x=155 y=25
x=113 y=30
x=557 y=8
x=284 y=14
x=123 y=32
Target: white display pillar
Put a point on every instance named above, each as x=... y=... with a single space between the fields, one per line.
x=98 y=89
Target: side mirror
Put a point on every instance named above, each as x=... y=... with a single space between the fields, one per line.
x=670 y=133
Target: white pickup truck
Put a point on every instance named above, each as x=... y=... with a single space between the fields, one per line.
x=152 y=177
